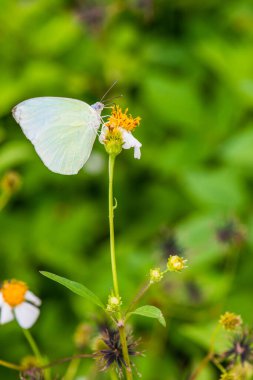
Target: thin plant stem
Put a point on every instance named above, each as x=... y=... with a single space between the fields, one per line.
x=111 y=224
x=67 y=359
x=208 y=357
x=113 y=375
x=123 y=340
x=33 y=345
x=218 y=365
x=201 y=366
x=9 y=365
x=36 y=351
x=121 y=324
x=72 y=369
x=138 y=296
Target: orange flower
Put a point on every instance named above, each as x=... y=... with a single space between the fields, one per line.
x=122 y=120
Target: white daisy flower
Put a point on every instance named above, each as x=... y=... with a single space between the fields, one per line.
x=18 y=302
x=116 y=133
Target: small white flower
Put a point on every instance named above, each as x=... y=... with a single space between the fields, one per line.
x=18 y=302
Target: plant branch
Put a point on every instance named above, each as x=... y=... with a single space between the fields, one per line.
x=121 y=324
x=9 y=365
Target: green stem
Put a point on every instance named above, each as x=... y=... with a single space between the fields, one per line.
x=113 y=375
x=72 y=369
x=36 y=351
x=208 y=357
x=123 y=340
x=111 y=223
x=33 y=345
x=10 y=365
x=121 y=324
x=138 y=296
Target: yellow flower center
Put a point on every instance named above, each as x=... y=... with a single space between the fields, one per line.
x=122 y=120
x=13 y=292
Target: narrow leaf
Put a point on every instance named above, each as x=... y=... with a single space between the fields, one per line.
x=151 y=312
x=75 y=287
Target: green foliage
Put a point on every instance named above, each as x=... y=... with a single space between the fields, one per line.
x=75 y=287
x=185 y=67
x=150 y=312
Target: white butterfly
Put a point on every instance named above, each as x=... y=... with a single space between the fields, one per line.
x=62 y=130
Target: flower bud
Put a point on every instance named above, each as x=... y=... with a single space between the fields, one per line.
x=176 y=263
x=114 y=303
x=230 y=321
x=155 y=275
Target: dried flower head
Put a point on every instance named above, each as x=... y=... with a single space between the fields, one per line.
x=241 y=350
x=116 y=133
x=112 y=354
x=176 y=263
x=155 y=275
x=230 y=321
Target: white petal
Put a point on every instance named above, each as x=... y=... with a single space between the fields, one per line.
x=26 y=314
x=1 y=300
x=137 y=152
x=131 y=142
x=29 y=296
x=102 y=134
x=6 y=314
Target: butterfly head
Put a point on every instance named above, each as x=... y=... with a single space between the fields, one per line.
x=98 y=107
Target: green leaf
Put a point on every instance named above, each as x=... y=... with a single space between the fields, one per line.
x=75 y=287
x=150 y=312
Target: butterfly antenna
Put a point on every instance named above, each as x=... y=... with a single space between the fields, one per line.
x=114 y=97
x=108 y=90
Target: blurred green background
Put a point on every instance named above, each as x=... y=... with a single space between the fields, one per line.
x=185 y=67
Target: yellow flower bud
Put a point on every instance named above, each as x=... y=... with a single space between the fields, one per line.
x=114 y=303
x=176 y=263
x=230 y=321
x=155 y=275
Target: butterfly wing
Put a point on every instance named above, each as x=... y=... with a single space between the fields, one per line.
x=62 y=131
